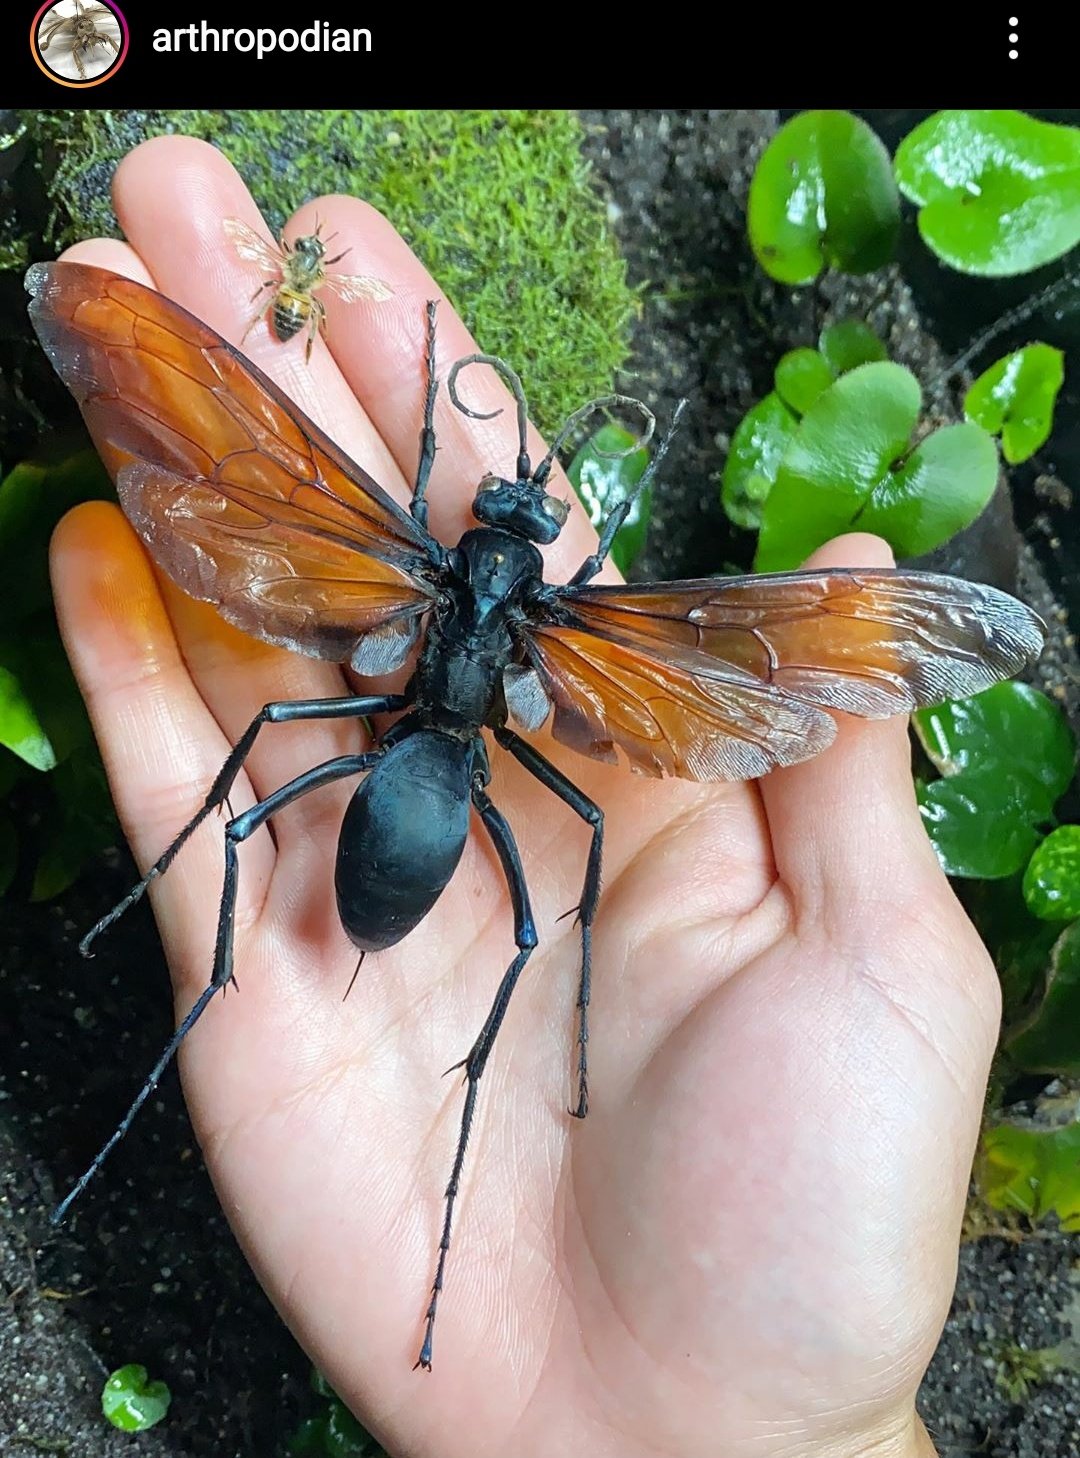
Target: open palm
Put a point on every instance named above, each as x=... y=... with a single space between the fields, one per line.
x=748 y=1247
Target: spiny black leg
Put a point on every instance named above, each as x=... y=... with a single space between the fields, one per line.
x=278 y=713
x=591 y=813
x=427 y=434
x=592 y=564
x=236 y=831
x=525 y=938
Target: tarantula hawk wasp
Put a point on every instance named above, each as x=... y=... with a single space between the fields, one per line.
x=246 y=503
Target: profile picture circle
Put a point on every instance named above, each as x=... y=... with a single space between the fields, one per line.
x=79 y=42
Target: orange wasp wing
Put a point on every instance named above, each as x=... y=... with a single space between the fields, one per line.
x=241 y=498
x=727 y=678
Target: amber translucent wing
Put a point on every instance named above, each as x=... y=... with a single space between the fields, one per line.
x=726 y=678
x=241 y=498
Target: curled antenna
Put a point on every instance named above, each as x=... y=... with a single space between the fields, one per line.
x=510 y=378
x=602 y=402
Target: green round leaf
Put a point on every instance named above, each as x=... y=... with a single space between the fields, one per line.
x=850 y=467
x=1052 y=879
x=823 y=194
x=941 y=488
x=1049 y=1041
x=801 y=376
x=1015 y=398
x=1006 y=756
x=848 y=344
x=131 y=1402
x=844 y=446
x=999 y=192
x=602 y=482
x=20 y=728
x=1012 y=726
x=762 y=437
x=979 y=822
x=1035 y=1171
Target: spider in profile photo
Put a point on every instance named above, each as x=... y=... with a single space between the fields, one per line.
x=85 y=40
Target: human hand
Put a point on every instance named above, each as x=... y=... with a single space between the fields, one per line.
x=748 y=1247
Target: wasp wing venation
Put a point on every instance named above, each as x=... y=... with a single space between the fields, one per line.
x=869 y=642
x=666 y=718
x=240 y=497
x=729 y=678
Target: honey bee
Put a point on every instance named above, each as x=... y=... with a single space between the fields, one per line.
x=298 y=269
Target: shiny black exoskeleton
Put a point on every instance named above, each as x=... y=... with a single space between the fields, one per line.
x=406 y=826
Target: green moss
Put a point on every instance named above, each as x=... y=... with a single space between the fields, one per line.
x=498 y=204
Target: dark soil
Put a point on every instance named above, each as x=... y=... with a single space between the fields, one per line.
x=147 y=1270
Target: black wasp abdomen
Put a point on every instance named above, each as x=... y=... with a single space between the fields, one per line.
x=402 y=837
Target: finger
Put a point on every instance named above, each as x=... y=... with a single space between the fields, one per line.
x=160 y=744
x=382 y=352
x=173 y=196
x=847 y=822
x=236 y=674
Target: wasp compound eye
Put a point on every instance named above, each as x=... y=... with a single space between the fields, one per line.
x=556 y=509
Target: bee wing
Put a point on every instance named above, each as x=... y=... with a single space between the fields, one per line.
x=727 y=678
x=354 y=287
x=252 y=247
x=241 y=498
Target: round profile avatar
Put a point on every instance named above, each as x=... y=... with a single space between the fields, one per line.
x=79 y=42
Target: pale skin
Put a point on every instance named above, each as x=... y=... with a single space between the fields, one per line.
x=749 y=1247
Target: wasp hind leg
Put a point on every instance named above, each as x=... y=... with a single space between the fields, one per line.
x=236 y=831
x=590 y=812
x=525 y=939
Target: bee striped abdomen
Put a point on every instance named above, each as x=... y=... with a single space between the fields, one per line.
x=290 y=312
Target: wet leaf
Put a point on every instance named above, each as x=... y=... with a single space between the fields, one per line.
x=980 y=822
x=20 y=728
x=603 y=482
x=133 y=1403
x=1034 y=1171
x=823 y=194
x=998 y=191
x=762 y=437
x=801 y=376
x=1006 y=756
x=1011 y=724
x=1015 y=398
x=848 y=344
x=1052 y=879
x=941 y=488
x=1048 y=1041
x=851 y=466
